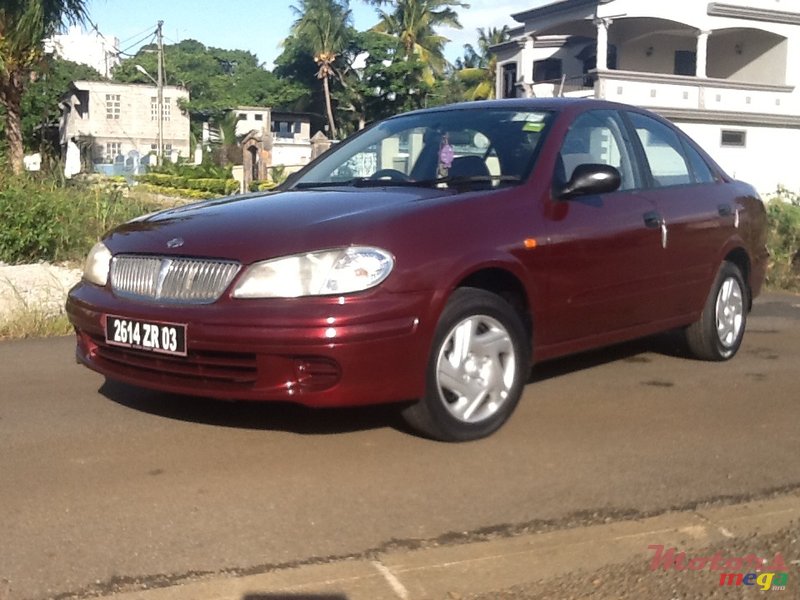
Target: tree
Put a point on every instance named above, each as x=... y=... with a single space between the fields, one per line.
x=385 y=83
x=218 y=80
x=24 y=25
x=478 y=70
x=40 y=102
x=323 y=27
x=415 y=23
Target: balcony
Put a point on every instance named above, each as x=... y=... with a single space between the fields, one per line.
x=697 y=96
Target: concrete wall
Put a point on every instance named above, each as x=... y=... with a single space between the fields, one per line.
x=750 y=56
x=252 y=119
x=290 y=154
x=763 y=162
x=99 y=52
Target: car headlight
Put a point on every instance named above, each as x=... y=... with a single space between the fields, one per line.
x=97 y=265
x=338 y=271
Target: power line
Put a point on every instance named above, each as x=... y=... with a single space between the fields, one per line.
x=150 y=36
x=148 y=29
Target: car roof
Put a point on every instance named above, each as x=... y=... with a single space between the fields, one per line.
x=557 y=104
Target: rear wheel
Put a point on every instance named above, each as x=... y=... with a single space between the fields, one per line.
x=718 y=334
x=477 y=369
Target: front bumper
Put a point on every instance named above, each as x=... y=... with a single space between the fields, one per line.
x=363 y=349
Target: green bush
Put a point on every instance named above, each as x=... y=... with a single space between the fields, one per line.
x=178 y=192
x=162 y=179
x=262 y=186
x=202 y=171
x=218 y=187
x=43 y=219
x=783 y=241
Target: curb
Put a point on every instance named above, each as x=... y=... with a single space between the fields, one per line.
x=480 y=567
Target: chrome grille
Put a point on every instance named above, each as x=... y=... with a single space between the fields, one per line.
x=167 y=279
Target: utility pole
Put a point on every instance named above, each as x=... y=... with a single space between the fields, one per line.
x=160 y=103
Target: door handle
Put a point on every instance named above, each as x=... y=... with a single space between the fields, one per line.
x=654 y=220
x=725 y=210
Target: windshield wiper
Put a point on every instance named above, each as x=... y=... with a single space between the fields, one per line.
x=465 y=180
x=365 y=182
x=304 y=185
x=355 y=182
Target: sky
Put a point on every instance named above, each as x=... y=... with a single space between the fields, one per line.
x=259 y=26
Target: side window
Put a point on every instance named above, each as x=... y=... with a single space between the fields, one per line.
x=596 y=137
x=663 y=150
x=700 y=169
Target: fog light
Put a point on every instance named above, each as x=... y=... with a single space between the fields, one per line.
x=315 y=374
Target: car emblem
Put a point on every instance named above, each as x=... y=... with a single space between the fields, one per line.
x=175 y=243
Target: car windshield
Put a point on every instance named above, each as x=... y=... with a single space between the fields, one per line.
x=485 y=148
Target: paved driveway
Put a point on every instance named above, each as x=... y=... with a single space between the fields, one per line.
x=103 y=485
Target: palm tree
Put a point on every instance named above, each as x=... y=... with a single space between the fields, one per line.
x=24 y=25
x=324 y=27
x=478 y=69
x=415 y=23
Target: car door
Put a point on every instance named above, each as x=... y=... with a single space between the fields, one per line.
x=695 y=210
x=600 y=249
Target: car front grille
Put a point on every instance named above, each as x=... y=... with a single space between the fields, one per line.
x=168 y=279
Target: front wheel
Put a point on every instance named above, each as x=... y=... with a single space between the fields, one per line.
x=477 y=369
x=718 y=334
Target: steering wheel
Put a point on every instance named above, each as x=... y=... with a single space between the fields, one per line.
x=390 y=174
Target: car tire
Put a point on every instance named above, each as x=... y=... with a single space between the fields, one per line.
x=478 y=366
x=718 y=334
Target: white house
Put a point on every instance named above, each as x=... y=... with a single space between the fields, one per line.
x=275 y=138
x=725 y=72
x=87 y=48
x=116 y=124
x=291 y=132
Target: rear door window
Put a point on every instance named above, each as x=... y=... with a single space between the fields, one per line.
x=664 y=152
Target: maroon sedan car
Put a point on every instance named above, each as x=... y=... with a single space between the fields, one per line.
x=432 y=259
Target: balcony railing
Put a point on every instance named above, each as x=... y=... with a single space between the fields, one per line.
x=697 y=94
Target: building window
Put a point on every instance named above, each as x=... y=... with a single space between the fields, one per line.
x=685 y=63
x=549 y=70
x=284 y=129
x=259 y=117
x=112 y=150
x=510 y=80
x=154 y=109
x=734 y=139
x=242 y=117
x=112 y=106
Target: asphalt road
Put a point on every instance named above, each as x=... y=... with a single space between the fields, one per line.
x=102 y=485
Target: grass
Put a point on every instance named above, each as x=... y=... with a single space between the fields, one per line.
x=32 y=323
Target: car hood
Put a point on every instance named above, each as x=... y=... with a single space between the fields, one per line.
x=257 y=227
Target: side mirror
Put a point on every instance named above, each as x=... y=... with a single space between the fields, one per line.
x=590 y=179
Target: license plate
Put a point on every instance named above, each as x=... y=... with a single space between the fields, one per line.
x=164 y=338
